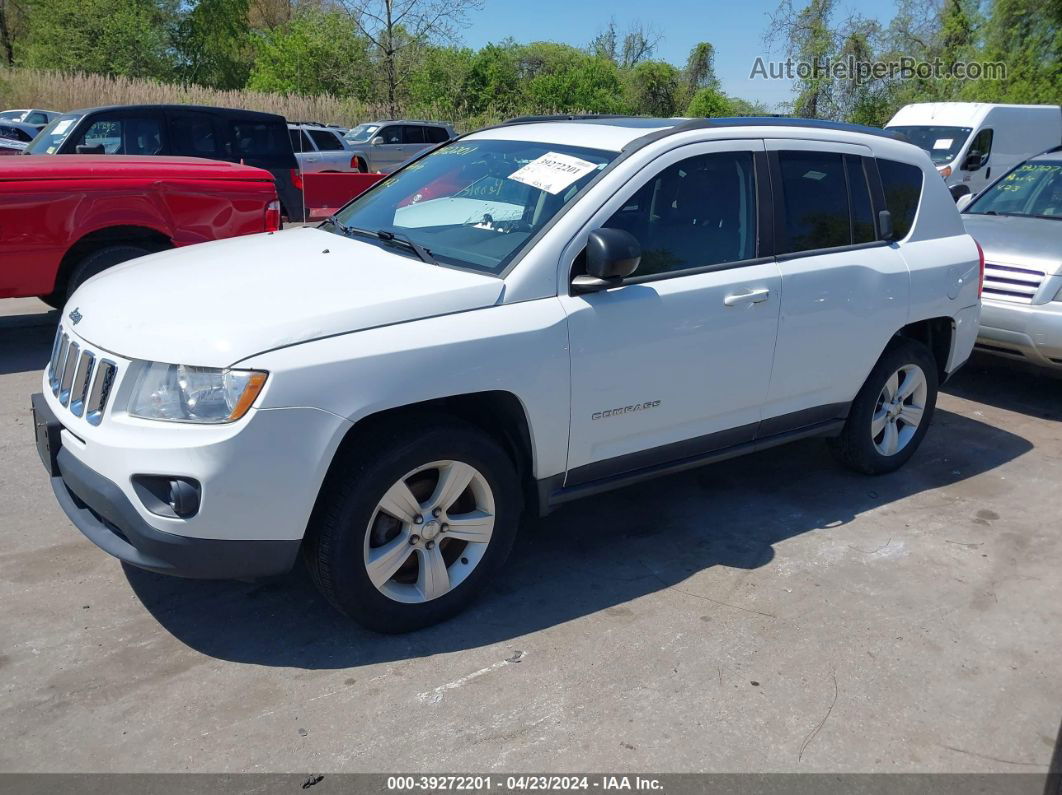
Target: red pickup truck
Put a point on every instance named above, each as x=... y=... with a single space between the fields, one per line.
x=64 y=219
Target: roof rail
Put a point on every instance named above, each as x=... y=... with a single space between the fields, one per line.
x=566 y=117
x=785 y=121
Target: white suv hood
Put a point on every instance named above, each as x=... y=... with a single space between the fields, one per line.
x=214 y=304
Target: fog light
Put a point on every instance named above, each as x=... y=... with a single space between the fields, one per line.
x=170 y=496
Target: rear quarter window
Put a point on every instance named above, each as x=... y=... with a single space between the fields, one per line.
x=902 y=185
x=326 y=141
x=258 y=139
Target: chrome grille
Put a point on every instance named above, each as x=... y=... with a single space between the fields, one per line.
x=80 y=379
x=1011 y=283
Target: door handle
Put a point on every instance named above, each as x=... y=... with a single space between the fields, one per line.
x=747 y=297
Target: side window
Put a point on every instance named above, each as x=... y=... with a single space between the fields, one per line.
x=326 y=141
x=391 y=135
x=254 y=138
x=122 y=136
x=815 y=201
x=413 y=135
x=982 y=146
x=863 y=230
x=436 y=135
x=296 y=142
x=14 y=134
x=902 y=185
x=194 y=135
x=36 y=118
x=700 y=211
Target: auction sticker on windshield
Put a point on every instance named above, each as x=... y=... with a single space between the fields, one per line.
x=552 y=172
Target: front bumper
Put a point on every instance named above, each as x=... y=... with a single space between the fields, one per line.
x=102 y=511
x=1031 y=332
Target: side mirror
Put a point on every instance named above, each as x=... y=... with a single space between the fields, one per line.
x=377 y=140
x=885 y=225
x=963 y=200
x=958 y=191
x=611 y=256
x=973 y=161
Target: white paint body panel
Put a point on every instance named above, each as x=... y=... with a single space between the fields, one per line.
x=347 y=329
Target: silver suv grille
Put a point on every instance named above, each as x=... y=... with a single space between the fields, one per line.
x=1011 y=283
x=81 y=380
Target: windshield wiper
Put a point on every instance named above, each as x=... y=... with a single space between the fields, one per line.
x=397 y=237
x=387 y=237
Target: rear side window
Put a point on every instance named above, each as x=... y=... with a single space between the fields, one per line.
x=256 y=138
x=36 y=118
x=14 y=134
x=326 y=141
x=902 y=184
x=412 y=135
x=436 y=135
x=194 y=136
x=815 y=201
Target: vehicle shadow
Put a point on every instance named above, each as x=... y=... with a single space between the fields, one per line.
x=1012 y=386
x=26 y=346
x=593 y=555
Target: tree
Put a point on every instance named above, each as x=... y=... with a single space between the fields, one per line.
x=11 y=14
x=440 y=82
x=214 y=40
x=809 y=41
x=626 y=50
x=700 y=70
x=1027 y=37
x=709 y=103
x=558 y=77
x=395 y=26
x=111 y=37
x=653 y=87
x=318 y=52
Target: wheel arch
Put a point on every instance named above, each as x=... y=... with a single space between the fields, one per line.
x=150 y=238
x=937 y=334
x=499 y=413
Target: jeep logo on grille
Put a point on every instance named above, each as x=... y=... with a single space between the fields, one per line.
x=75 y=316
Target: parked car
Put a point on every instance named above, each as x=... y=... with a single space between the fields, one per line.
x=34 y=116
x=579 y=305
x=384 y=145
x=967 y=141
x=1018 y=221
x=320 y=149
x=14 y=137
x=62 y=220
x=236 y=136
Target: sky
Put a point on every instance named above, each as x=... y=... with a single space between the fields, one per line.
x=734 y=28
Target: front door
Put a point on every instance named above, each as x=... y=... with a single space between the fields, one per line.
x=676 y=362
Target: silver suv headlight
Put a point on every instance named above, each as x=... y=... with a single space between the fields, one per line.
x=180 y=393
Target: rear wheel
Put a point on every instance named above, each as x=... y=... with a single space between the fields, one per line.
x=100 y=260
x=362 y=166
x=413 y=524
x=891 y=414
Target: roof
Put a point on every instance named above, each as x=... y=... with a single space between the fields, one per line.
x=39 y=167
x=957 y=114
x=617 y=133
x=247 y=114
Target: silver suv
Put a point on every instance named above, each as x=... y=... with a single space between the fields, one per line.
x=384 y=145
x=320 y=148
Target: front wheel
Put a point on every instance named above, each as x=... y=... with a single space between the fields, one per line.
x=413 y=523
x=891 y=414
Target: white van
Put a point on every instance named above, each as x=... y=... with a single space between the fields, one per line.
x=969 y=141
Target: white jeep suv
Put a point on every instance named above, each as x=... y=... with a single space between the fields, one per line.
x=532 y=313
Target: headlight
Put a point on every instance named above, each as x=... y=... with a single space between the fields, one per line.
x=181 y=393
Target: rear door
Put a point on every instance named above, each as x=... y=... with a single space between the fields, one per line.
x=195 y=134
x=844 y=292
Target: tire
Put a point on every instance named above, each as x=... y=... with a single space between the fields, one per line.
x=98 y=261
x=55 y=300
x=363 y=167
x=349 y=529
x=892 y=406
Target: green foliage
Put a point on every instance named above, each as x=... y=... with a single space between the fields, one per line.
x=214 y=41
x=111 y=37
x=317 y=52
x=709 y=103
x=653 y=88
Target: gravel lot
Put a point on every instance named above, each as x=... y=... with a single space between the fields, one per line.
x=773 y=613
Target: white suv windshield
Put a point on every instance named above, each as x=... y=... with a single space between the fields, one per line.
x=474 y=204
